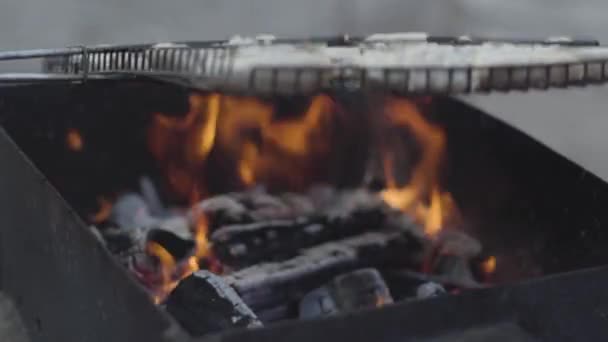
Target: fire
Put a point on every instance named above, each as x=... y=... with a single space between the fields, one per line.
x=488 y=266
x=170 y=270
x=104 y=211
x=73 y=140
x=256 y=140
x=267 y=146
x=182 y=144
x=263 y=142
x=421 y=196
x=247 y=130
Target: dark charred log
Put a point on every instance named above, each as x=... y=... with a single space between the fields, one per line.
x=352 y=212
x=203 y=303
x=454 y=255
x=272 y=284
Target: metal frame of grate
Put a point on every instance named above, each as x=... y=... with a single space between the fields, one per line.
x=209 y=65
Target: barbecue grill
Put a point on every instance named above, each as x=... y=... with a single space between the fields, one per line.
x=67 y=286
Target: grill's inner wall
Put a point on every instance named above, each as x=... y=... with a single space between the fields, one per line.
x=536 y=211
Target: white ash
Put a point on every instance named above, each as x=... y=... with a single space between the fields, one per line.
x=226 y=232
x=314 y=259
x=429 y=290
x=227 y=292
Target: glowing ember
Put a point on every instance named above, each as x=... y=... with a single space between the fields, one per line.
x=167 y=269
x=489 y=266
x=73 y=140
x=104 y=211
x=202 y=248
x=421 y=197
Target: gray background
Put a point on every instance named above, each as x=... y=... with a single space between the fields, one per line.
x=573 y=122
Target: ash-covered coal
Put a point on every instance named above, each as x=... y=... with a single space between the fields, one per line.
x=282 y=256
x=204 y=303
x=360 y=289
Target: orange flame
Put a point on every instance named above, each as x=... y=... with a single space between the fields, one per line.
x=73 y=140
x=488 y=266
x=104 y=211
x=261 y=142
x=182 y=144
x=245 y=129
x=275 y=147
x=167 y=267
x=251 y=132
x=171 y=271
x=421 y=197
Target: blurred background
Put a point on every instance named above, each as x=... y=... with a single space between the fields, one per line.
x=573 y=122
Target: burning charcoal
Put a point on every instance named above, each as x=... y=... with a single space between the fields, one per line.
x=203 y=303
x=117 y=240
x=177 y=225
x=354 y=212
x=294 y=277
x=360 y=289
x=362 y=210
x=356 y=208
x=178 y=247
x=453 y=254
x=131 y=214
x=429 y=290
x=245 y=244
x=352 y=291
x=222 y=210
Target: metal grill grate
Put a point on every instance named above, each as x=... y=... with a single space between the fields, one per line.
x=400 y=63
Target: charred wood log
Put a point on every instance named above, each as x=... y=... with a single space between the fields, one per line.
x=271 y=284
x=243 y=245
x=454 y=252
x=354 y=212
x=252 y=206
x=203 y=303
